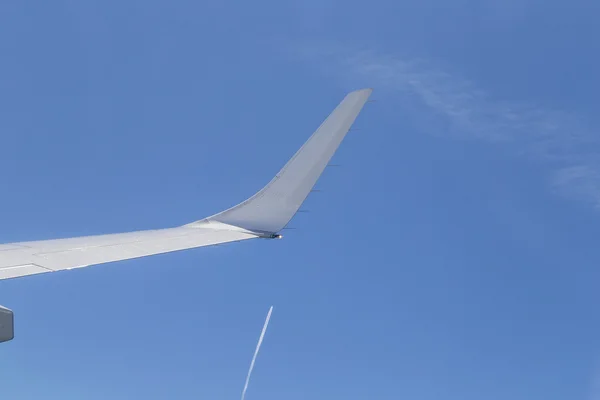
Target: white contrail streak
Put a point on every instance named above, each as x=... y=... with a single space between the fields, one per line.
x=262 y=335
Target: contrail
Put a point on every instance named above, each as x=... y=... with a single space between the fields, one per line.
x=262 y=335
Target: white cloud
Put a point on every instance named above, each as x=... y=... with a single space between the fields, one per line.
x=558 y=139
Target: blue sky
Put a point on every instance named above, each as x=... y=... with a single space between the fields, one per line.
x=452 y=256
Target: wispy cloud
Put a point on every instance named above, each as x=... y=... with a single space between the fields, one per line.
x=556 y=138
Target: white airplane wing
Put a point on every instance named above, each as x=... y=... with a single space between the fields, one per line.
x=261 y=216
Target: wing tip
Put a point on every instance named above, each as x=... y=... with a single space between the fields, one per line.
x=368 y=90
x=271 y=208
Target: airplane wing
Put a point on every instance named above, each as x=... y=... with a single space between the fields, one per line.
x=261 y=216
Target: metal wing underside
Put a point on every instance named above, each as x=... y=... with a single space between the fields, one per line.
x=28 y=258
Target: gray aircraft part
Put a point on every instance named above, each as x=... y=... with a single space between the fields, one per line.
x=7 y=330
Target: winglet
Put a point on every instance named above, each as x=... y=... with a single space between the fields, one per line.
x=270 y=210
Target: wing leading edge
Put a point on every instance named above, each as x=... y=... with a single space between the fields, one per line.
x=262 y=215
